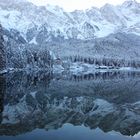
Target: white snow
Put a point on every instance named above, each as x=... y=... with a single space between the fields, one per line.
x=3 y=71
x=103 y=107
x=11 y=111
x=33 y=94
x=33 y=41
x=52 y=55
x=58 y=69
x=56 y=19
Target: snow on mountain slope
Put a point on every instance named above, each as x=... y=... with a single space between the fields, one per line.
x=54 y=22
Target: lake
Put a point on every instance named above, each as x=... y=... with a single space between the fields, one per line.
x=64 y=106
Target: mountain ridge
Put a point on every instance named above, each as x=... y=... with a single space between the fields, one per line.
x=85 y=25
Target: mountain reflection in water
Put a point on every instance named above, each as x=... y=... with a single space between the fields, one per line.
x=48 y=104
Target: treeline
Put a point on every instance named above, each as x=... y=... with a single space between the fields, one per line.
x=16 y=85
x=17 y=54
x=28 y=56
x=112 y=62
x=103 y=76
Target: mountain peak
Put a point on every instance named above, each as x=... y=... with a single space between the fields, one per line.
x=12 y=1
x=129 y=3
x=27 y=17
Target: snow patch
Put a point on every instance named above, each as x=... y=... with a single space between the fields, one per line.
x=33 y=41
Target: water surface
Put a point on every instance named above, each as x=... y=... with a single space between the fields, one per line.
x=101 y=105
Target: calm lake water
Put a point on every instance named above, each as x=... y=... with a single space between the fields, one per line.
x=46 y=106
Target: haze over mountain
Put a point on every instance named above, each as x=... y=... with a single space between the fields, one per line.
x=77 y=5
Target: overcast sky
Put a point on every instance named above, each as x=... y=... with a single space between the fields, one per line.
x=71 y=5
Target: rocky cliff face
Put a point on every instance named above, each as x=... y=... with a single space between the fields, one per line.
x=2 y=51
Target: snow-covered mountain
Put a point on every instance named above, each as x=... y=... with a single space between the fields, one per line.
x=49 y=21
x=110 y=33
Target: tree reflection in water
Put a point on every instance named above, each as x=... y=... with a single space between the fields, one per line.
x=107 y=100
